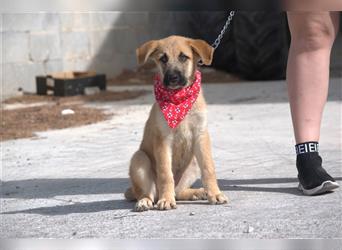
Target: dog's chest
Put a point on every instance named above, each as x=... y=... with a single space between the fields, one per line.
x=184 y=137
x=182 y=147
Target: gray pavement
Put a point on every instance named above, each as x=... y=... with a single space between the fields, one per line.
x=69 y=183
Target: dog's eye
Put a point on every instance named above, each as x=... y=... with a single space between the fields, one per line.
x=164 y=58
x=183 y=57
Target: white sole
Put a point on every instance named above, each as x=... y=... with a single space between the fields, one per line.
x=323 y=188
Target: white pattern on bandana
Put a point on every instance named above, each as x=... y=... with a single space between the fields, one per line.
x=175 y=104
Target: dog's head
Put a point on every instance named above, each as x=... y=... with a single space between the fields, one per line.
x=176 y=58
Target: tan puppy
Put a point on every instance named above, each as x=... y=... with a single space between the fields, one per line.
x=170 y=160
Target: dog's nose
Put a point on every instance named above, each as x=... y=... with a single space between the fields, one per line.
x=174 y=78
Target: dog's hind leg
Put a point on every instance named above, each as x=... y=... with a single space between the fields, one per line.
x=191 y=194
x=143 y=184
x=183 y=190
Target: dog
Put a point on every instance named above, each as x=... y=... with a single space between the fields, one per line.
x=174 y=153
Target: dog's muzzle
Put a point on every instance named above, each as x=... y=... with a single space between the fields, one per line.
x=174 y=79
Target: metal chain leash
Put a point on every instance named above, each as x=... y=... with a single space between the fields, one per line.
x=217 y=41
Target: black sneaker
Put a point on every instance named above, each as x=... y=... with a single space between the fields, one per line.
x=313 y=179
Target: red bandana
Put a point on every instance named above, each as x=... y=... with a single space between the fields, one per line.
x=176 y=103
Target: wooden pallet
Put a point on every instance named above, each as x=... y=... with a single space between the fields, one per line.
x=69 y=83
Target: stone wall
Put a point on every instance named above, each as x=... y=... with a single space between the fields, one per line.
x=38 y=43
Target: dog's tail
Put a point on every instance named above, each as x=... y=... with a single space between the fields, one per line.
x=129 y=194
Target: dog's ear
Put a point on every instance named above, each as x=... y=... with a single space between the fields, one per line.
x=146 y=50
x=203 y=50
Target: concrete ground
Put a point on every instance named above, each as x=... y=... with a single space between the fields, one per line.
x=69 y=183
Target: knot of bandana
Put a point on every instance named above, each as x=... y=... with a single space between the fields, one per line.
x=176 y=103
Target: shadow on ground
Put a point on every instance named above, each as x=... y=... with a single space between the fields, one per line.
x=49 y=188
x=78 y=207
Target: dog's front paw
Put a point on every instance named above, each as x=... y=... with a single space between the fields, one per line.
x=143 y=204
x=166 y=204
x=219 y=198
